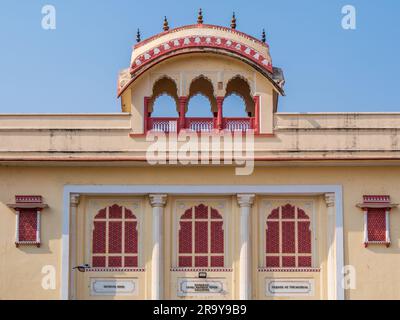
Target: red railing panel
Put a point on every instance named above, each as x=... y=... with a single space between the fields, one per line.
x=238 y=124
x=200 y=124
x=163 y=124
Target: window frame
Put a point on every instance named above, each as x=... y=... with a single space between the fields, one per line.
x=94 y=205
x=179 y=208
x=266 y=207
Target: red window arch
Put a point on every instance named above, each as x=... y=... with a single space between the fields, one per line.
x=288 y=241
x=201 y=238
x=115 y=238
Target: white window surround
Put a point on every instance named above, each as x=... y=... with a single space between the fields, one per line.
x=225 y=190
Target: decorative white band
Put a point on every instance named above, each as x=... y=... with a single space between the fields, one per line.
x=201 y=269
x=114 y=270
x=289 y=269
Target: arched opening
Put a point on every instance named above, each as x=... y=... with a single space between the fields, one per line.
x=199 y=107
x=202 y=105
x=162 y=106
x=239 y=87
x=164 y=99
x=234 y=107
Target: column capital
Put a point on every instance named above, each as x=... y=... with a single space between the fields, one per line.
x=220 y=99
x=245 y=200
x=183 y=99
x=330 y=199
x=158 y=200
x=74 y=199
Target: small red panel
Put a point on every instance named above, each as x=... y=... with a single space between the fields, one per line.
x=99 y=237
x=272 y=237
x=115 y=237
x=201 y=237
x=185 y=237
x=115 y=212
x=376 y=224
x=288 y=237
x=131 y=237
x=217 y=237
x=27 y=225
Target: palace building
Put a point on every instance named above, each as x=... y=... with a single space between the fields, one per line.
x=85 y=214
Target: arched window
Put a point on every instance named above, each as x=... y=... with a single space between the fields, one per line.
x=115 y=238
x=288 y=241
x=164 y=106
x=201 y=238
x=202 y=102
x=199 y=107
x=239 y=86
x=234 y=107
x=164 y=99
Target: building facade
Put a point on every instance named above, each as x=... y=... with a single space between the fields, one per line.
x=87 y=212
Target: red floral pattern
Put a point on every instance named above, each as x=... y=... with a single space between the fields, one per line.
x=27 y=225
x=376 y=219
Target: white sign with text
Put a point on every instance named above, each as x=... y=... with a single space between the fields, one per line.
x=289 y=287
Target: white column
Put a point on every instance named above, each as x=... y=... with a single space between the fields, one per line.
x=245 y=202
x=331 y=231
x=74 y=202
x=157 y=202
x=387 y=226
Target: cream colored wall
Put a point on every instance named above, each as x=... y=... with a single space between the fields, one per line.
x=20 y=268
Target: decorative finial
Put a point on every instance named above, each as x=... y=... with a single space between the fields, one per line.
x=263 y=37
x=200 y=17
x=233 y=21
x=138 y=36
x=165 y=26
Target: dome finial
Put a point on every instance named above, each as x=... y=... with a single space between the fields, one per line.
x=200 y=17
x=263 y=37
x=165 y=26
x=233 y=21
x=138 y=36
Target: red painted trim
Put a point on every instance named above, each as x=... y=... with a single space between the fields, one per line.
x=220 y=101
x=199 y=26
x=257 y=114
x=196 y=41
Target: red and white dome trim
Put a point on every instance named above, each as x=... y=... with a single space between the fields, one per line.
x=201 y=42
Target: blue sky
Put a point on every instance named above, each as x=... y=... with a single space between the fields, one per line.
x=74 y=68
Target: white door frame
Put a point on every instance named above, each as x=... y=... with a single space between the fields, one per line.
x=225 y=190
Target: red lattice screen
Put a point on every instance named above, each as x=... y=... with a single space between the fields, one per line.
x=288 y=238
x=115 y=238
x=27 y=225
x=201 y=238
x=376 y=220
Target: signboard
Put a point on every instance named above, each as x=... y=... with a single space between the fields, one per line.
x=201 y=287
x=289 y=287
x=113 y=287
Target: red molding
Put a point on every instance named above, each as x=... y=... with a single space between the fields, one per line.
x=197 y=41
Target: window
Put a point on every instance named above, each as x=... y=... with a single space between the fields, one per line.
x=376 y=219
x=28 y=211
x=115 y=238
x=201 y=238
x=288 y=241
